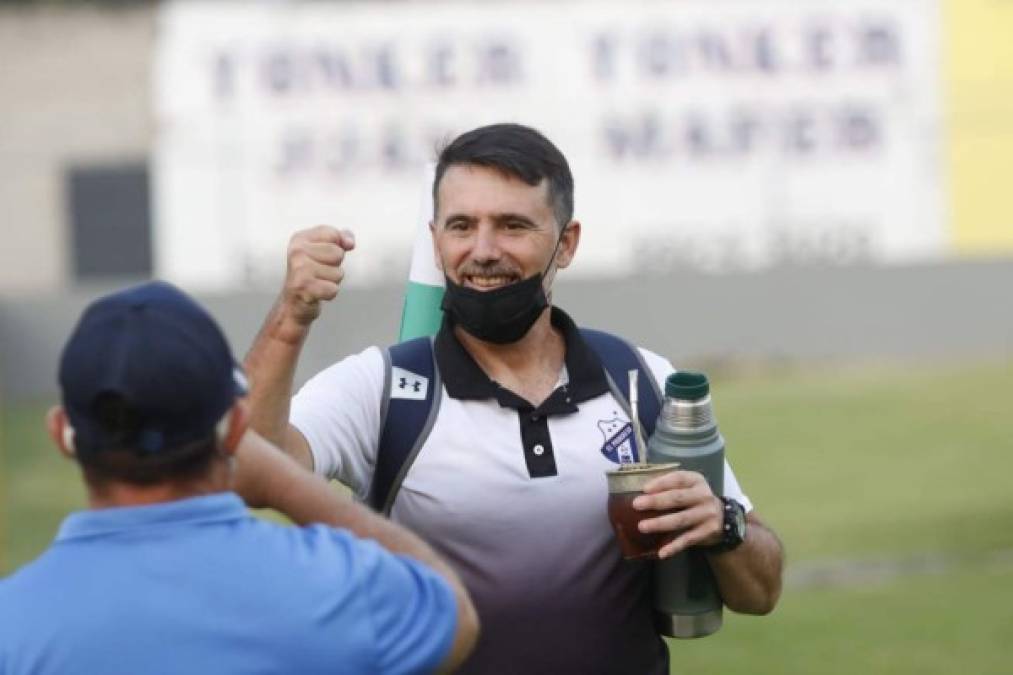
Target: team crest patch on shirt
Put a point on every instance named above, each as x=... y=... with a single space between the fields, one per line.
x=406 y=384
x=620 y=444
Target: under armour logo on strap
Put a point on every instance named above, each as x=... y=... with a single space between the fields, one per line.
x=416 y=385
x=408 y=385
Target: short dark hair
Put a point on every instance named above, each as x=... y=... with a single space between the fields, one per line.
x=121 y=459
x=515 y=150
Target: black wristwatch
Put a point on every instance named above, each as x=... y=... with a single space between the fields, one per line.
x=734 y=528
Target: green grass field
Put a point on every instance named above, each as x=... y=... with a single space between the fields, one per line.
x=848 y=464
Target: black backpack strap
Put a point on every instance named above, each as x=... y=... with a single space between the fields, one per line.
x=411 y=401
x=411 y=396
x=618 y=358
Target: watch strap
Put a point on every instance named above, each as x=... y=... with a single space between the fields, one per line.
x=733 y=528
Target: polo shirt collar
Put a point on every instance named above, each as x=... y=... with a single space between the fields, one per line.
x=194 y=510
x=465 y=379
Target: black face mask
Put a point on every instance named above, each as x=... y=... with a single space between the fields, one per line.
x=502 y=315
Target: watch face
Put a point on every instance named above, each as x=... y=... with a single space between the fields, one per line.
x=740 y=520
x=735 y=515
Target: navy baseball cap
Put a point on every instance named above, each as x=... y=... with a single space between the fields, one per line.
x=157 y=349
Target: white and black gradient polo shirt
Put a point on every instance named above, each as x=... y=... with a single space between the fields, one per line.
x=514 y=496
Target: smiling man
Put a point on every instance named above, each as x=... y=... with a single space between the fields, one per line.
x=507 y=479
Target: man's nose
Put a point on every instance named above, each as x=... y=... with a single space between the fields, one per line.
x=486 y=248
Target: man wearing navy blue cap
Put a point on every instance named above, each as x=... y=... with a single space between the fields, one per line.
x=167 y=572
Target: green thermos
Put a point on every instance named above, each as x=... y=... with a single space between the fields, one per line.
x=686 y=599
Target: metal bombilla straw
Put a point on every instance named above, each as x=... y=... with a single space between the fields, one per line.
x=638 y=433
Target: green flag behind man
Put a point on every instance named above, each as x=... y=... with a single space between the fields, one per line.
x=421 y=314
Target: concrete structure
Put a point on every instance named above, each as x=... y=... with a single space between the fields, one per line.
x=75 y=89
x=797 y=316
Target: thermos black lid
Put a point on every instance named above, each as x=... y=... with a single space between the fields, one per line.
x=687 y=385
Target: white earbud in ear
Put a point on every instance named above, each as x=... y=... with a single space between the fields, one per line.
x=68 y=438
x=222 y=428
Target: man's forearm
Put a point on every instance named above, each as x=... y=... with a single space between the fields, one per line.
x=749 y=577
x=270 y=365
x=266 y=477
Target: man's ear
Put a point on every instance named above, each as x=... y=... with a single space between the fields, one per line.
x=60 y=431
x=239 y=421
x=568 y=244
x=436 y=250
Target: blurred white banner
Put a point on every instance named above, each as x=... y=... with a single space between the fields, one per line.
x=717 y=136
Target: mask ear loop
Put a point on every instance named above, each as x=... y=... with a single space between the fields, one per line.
x=555 y=250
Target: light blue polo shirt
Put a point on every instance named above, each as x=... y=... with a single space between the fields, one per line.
x=200 y=586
